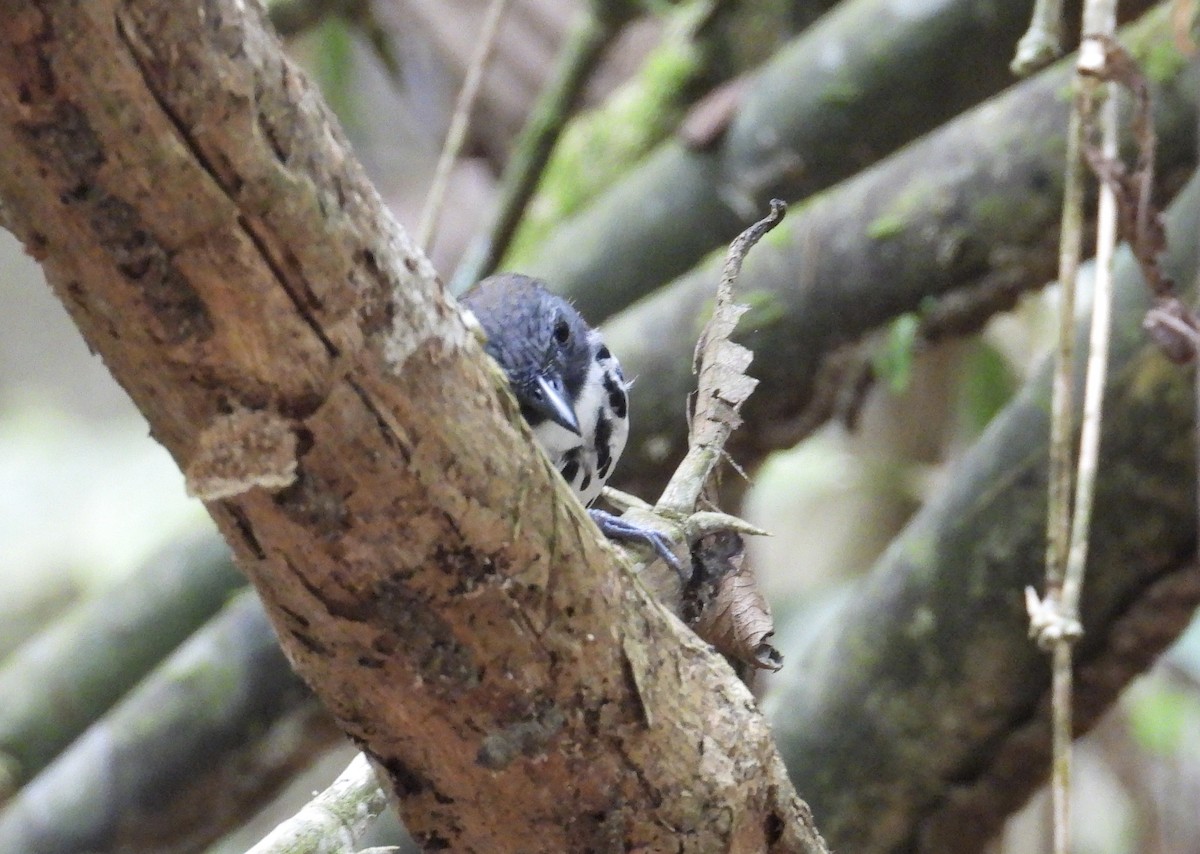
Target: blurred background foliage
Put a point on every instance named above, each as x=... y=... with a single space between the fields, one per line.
x=87 y=498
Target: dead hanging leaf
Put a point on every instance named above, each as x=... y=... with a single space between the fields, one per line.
x=723 y=384
x=720 y=600
x=721 y=363
x=1139 y=222
x=724 y=606
x=724 y=377
x=730 y=611
x=1169 y=323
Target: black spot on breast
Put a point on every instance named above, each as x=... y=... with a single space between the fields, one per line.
x=602 y=471
x=586 y=482
x=603 y=440
x=603 y=354
x=617 y=401
x=570 y=469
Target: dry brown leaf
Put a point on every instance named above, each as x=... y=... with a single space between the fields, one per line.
x=721 y=363
x=723 y=384
x=727 y=608
x=720 y=600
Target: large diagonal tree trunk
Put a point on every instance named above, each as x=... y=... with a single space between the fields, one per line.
x=197 y=209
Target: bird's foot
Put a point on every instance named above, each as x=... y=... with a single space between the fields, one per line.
x=616 y=528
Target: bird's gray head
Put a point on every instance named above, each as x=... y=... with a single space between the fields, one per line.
x=539 y=340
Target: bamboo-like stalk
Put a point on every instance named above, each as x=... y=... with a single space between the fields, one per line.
x=1055 y=619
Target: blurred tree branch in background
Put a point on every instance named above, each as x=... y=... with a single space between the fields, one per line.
x=970 y=208
x=102 y=648
x=942 y=720
x=215 y=731
x=863 y=81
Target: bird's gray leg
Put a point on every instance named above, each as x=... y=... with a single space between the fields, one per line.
x=616 y=528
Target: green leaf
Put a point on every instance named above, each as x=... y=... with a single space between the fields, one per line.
x=893 y=359
x=989 y=382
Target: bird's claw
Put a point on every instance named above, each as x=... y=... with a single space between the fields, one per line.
x=616 y=528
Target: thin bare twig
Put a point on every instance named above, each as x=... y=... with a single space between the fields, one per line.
x=1054 y=633
x=1085 y=489
x=1044 y=615
x=1054 y=620
x=1058 y=524
x=1097 y=370
x=459 y=123
x=293 y=17
x=601 y=23
x=362 y=15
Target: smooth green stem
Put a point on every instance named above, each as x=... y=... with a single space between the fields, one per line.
x=334 y=820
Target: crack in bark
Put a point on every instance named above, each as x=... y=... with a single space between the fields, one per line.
x=242 y=523
x=387 y=432
x=295 y=286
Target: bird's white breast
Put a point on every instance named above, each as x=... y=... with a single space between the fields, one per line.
x=579 y=458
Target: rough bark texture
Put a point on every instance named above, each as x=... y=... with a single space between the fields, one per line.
x=197 y=210
x=919 y=721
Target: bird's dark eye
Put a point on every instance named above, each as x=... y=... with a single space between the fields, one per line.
x=562 y=332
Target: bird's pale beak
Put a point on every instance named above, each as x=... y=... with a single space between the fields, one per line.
x=548 y=398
